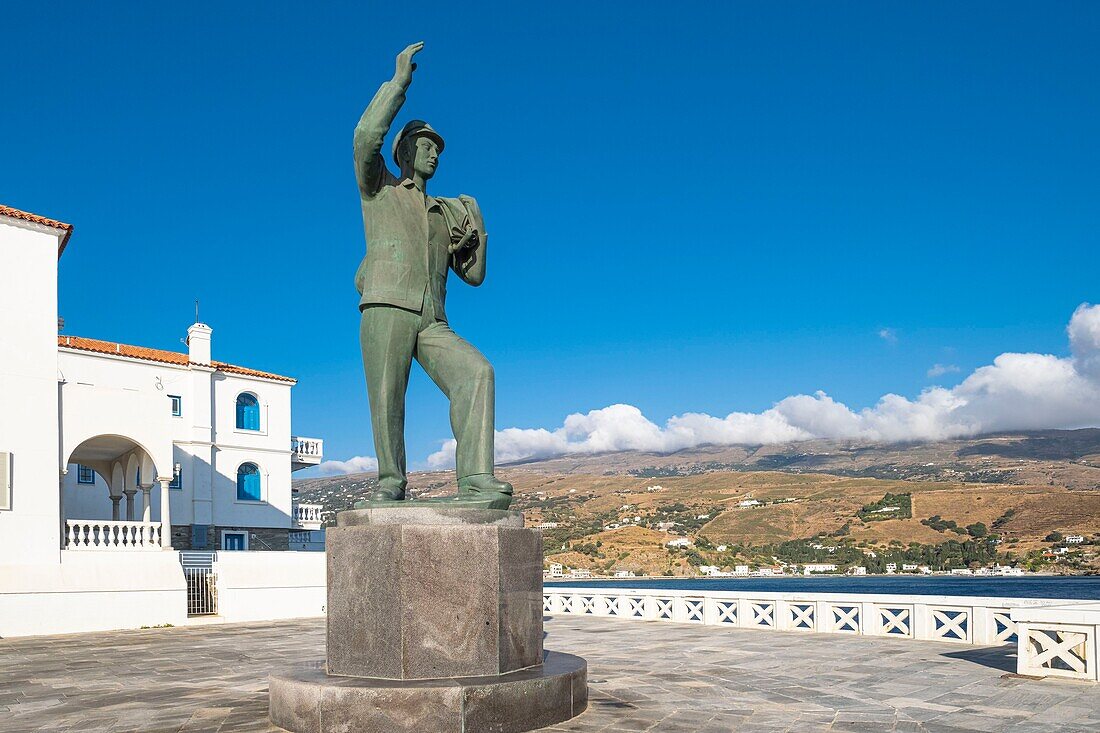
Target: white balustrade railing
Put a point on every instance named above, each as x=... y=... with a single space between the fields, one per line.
x=309 y=450
x=308 y=516
x=958 y=619
x=102 y=534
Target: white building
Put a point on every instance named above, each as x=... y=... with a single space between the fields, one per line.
x=748 y=503
x=580 y=573
x=547 y=525
x=741 y=570
x=679 y=542
x=110 y=454
x=818 y=567
x=908 y=566
x=556 y=570
x=891 y=567
x=859 y=570
x=624 y=574
x=1074 y=539
x=222 y=433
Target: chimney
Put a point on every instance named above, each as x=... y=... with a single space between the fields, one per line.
x=198 y=343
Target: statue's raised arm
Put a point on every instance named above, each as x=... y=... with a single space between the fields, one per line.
x=370 y=165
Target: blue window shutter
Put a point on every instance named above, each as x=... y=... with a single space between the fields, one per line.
x=252 y=486
x=248 y=483
x=248 y=412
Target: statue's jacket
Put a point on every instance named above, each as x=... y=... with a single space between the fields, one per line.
x=400 y=267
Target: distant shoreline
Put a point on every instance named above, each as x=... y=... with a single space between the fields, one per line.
x=1032 y=585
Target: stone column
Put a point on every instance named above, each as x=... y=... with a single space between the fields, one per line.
x=165 y=514
x=129 y=503
x=146 y=504
x=114 y=507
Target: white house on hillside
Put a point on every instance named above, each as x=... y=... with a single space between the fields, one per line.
x=111 y=453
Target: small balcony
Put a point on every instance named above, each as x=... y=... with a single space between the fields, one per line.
x=307 y=516
x=305 y=452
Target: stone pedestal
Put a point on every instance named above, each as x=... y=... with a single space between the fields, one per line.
x=434 y=624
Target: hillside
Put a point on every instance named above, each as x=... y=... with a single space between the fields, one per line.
x=618 y=511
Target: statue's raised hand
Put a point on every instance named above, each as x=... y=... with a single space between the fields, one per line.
x=405 y=65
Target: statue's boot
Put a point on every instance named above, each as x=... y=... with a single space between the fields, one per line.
x=382 y=493
x=483 y=484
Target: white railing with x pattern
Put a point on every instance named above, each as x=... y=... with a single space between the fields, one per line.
x=103 y=534
x=958 y=619
x=1059 y=641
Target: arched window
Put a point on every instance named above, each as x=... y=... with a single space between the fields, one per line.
x=248 y=412
x=248 y=482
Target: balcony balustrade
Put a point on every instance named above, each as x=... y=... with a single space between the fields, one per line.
x=308 y=516
x=102 y=534
x=305 y=452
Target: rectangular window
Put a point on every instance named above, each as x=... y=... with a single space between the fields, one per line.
x=177 y=480
x=177 y=405
x=85 y=475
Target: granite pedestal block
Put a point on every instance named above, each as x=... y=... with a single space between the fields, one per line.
x=434 y=624
x=429 y=593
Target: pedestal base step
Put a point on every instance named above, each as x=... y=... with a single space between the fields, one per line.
x=304 y=699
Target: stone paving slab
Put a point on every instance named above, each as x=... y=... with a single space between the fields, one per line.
x=643 y=677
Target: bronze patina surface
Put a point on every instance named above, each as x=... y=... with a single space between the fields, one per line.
x=413 y=241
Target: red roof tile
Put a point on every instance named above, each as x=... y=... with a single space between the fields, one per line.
x=27 y=216
x=166 y=357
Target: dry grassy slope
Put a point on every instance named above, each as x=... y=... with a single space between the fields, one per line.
x=1039 y=509
x=822 y=503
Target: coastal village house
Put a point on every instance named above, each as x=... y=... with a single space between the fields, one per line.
x=112 y=453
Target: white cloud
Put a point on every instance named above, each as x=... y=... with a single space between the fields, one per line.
x=888 y=335
x=938 y=370
x=358 y=464
x=1015 y=392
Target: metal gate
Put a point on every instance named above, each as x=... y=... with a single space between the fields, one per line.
x=202 y=583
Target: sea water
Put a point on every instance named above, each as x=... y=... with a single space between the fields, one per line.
x=1081 y=587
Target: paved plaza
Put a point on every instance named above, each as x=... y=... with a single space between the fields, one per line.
x=643 y=677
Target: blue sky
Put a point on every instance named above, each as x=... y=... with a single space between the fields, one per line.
x=693 y=208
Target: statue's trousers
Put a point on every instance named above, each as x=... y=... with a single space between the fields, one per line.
x=391 y=338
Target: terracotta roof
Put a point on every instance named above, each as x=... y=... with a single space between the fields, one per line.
x=166 y=357
x=27 y=216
